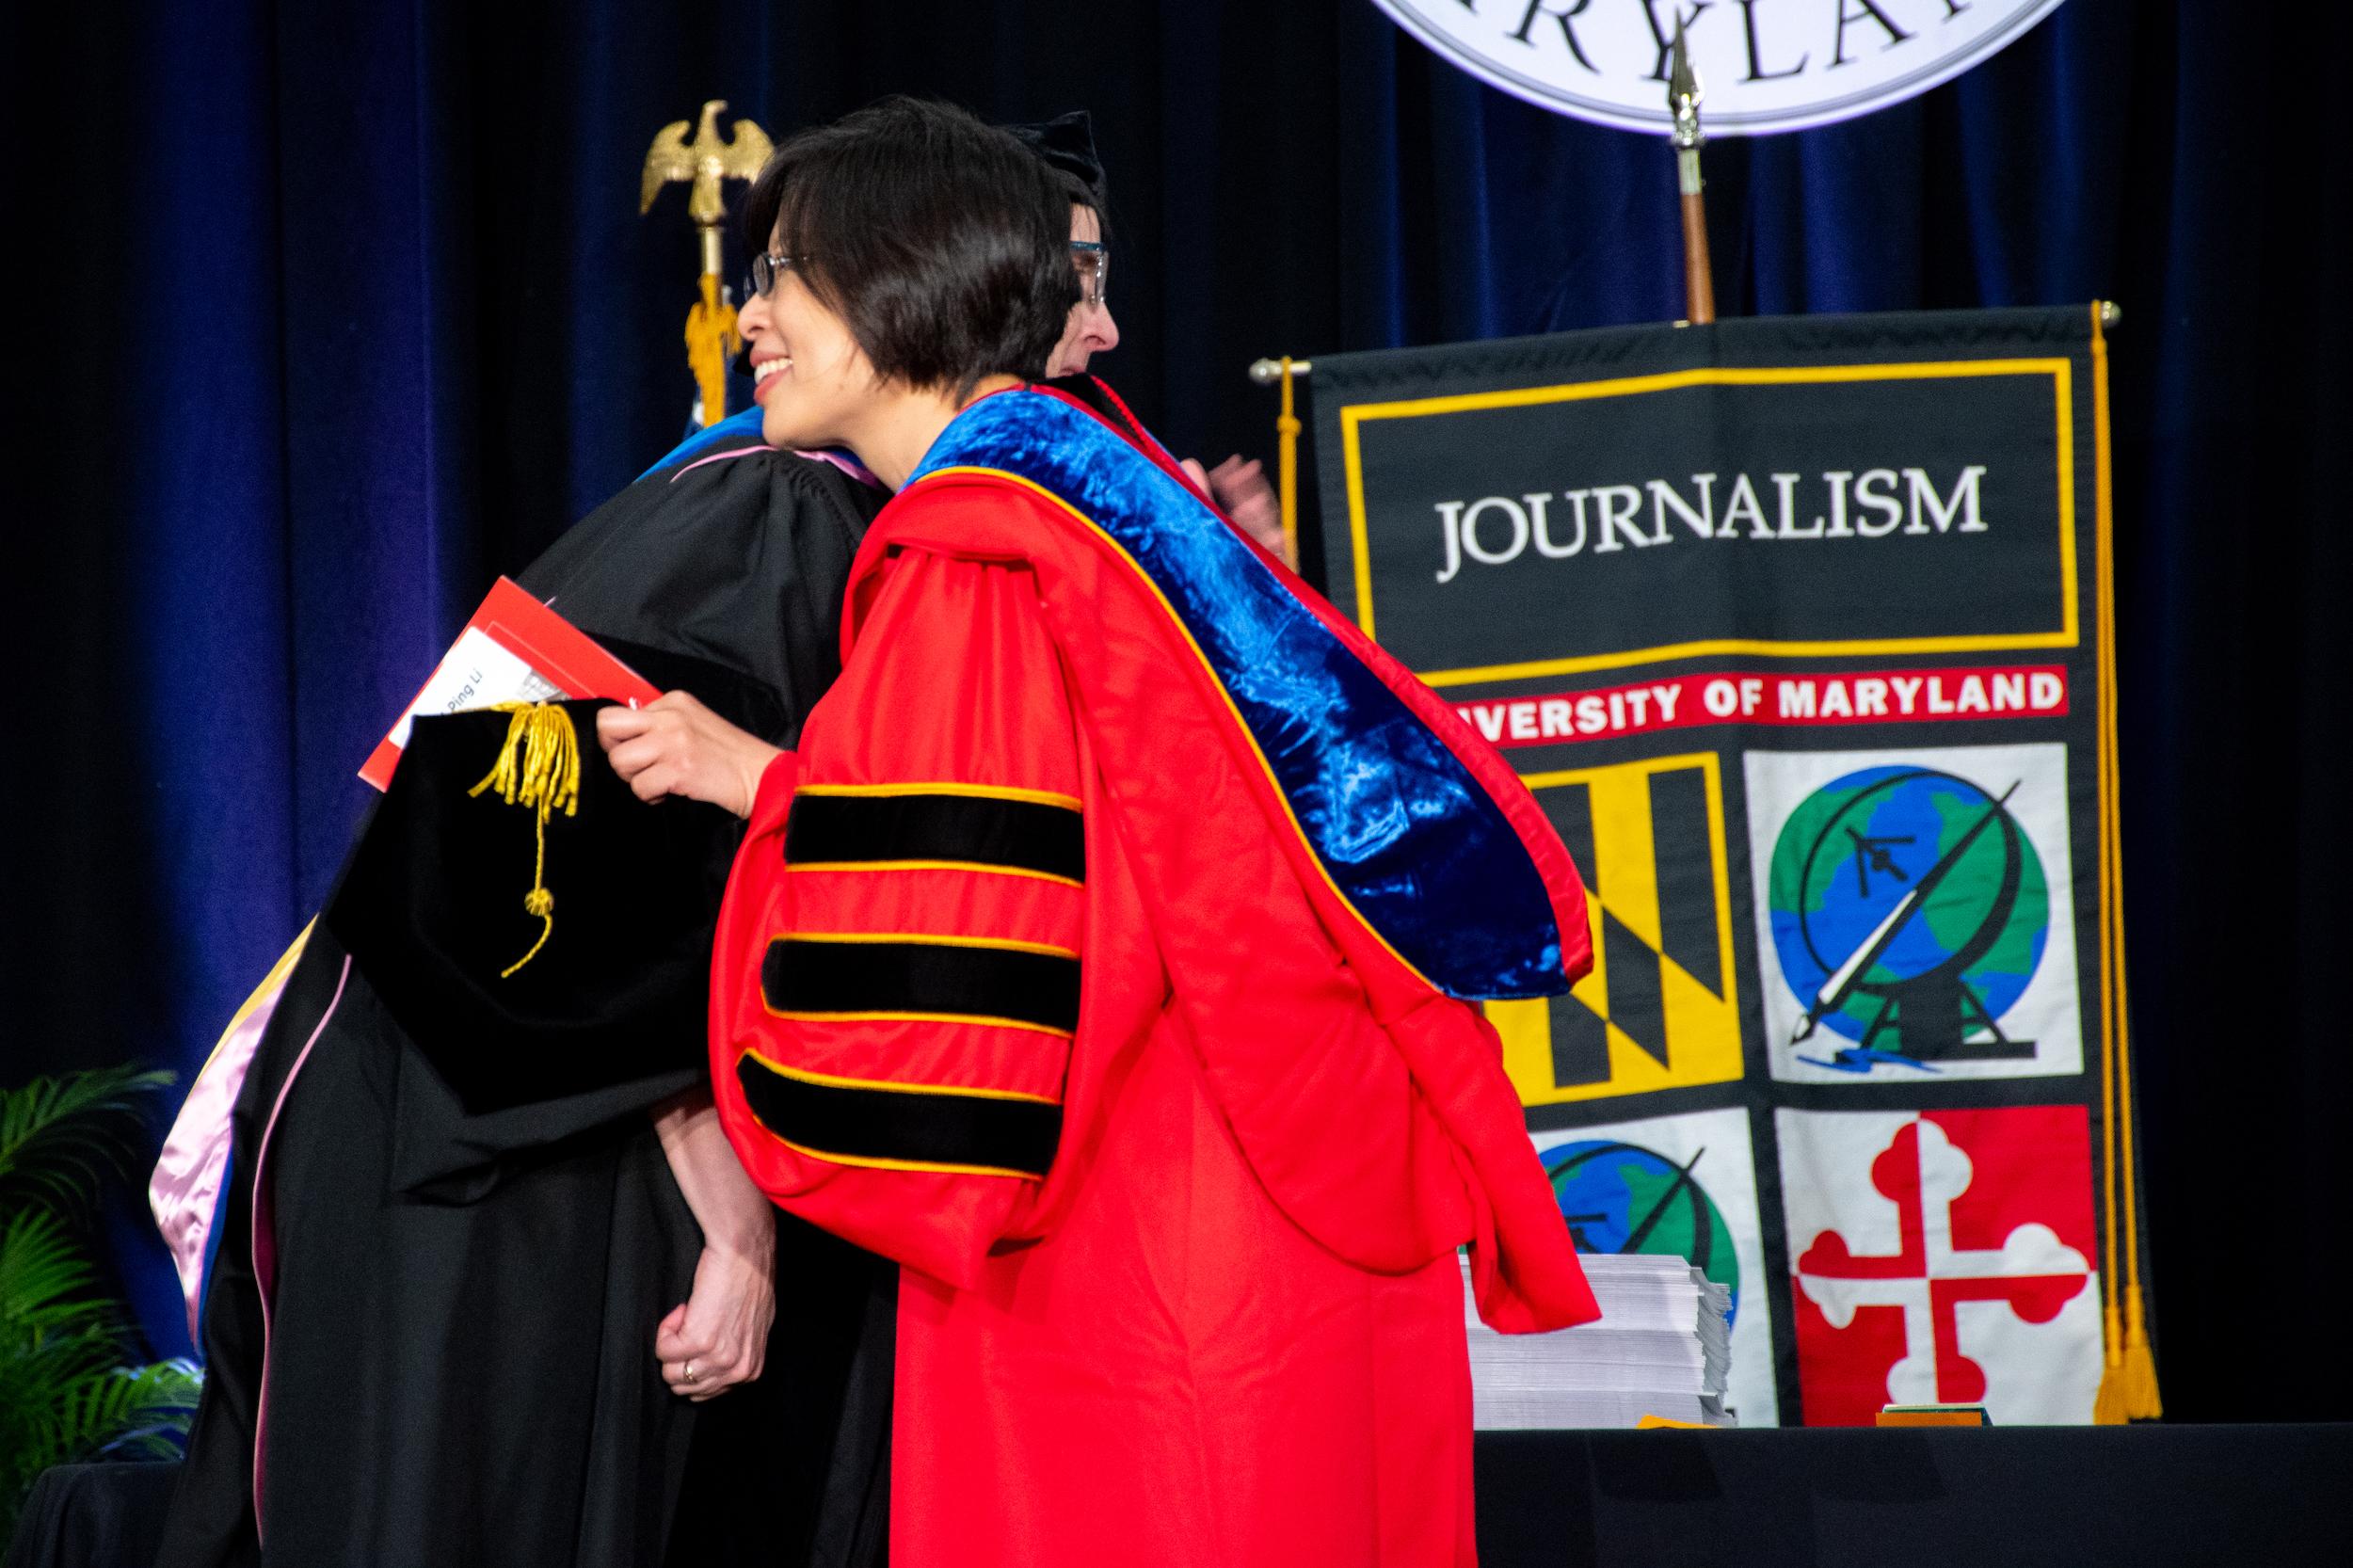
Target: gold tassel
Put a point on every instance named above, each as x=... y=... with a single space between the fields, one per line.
x=2107 y=1406
x=2128 y=1390
x=2137 y=1382
x=712 y=340
x=538 y=768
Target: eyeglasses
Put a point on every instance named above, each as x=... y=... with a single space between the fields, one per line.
x=766 y=268
x=1091 y=261
x=1095 y=270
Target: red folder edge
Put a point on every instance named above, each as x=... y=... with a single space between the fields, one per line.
x=548 y=643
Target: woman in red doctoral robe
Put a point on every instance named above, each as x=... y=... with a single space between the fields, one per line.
x=1101 y=953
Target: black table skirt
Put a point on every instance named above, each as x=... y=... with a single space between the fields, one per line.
x=94 y=1516
x=2000 y=1498
x=1917 y=1498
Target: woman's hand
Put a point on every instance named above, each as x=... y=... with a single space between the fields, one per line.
x=674 y=745
x=718 y=1335
x=1242 y=491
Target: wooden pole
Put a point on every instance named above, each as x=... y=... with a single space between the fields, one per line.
x=1699 y=276
x=1683 y=101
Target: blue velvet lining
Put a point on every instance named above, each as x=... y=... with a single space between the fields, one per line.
x=744 y=423
x=1407 y=833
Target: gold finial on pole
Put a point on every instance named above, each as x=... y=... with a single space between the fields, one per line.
x=1684 y=93
x=705 y=163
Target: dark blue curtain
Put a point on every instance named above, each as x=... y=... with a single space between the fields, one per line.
x=325 y=313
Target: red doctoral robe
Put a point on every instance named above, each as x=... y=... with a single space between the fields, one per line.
x=1030 y=978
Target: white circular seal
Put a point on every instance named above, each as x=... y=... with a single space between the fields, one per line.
x=1767 y=65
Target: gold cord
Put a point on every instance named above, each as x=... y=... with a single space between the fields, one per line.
x=538 y=768
x=2128 y=1385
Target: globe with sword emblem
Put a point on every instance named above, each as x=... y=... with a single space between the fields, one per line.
x=1909 y=912
x=1621 y=1197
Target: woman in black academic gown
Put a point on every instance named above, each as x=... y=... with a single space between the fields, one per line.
x=508 y=1295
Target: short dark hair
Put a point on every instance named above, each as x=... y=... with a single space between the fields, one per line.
x=1082 y=194
x=943 y=243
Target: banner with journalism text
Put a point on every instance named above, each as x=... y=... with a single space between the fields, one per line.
x=1799 y=630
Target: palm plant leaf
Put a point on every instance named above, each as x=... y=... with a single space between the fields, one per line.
x=41 y=1375
x=151 y=1419
x=61 y=1136
x=40 y=1271
x=98 y=1411
x=133 y=1406
x=50 y=1356
x=64 y=1392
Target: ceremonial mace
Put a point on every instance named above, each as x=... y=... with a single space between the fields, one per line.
x=1684 y=93
x=712 y=340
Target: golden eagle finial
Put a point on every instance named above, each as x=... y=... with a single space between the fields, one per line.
x=706 y=161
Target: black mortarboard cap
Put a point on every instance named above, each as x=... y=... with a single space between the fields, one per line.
x=1066 y=143
x=431 y=908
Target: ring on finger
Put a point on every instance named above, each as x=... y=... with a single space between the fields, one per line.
x=691 y=1376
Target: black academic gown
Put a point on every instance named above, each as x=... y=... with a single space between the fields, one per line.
x=444 y=1324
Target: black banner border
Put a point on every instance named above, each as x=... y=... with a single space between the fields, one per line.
x=2061 y=368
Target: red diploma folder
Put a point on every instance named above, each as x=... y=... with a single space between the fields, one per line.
x=514 y=649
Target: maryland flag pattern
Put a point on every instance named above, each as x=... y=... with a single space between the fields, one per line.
x=1662 y=1008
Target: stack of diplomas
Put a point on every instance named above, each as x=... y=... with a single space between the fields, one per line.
x=1662 y=1347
